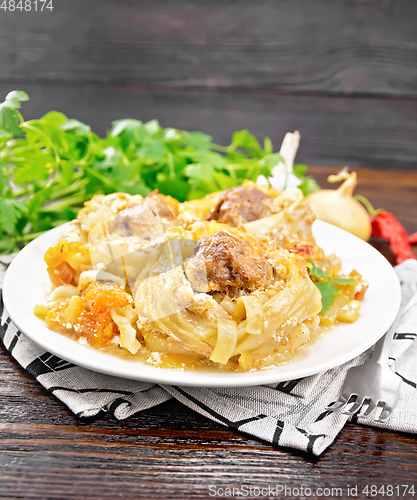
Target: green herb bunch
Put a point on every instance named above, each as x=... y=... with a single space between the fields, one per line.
x=50 y=166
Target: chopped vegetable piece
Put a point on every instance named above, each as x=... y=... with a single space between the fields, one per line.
x=87 y=316
x=101 y=299
x=62 y=274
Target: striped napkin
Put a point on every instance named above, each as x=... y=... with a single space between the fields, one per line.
x=290 y=414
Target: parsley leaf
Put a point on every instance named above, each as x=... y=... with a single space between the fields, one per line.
x=244 y=139
x=317 y=272
x=326 y=285
x=9 y=121
x=328 y=292
x=15 y=97
x=10 y=211
x=9 y=116
x=308 y=184
x=198 y=140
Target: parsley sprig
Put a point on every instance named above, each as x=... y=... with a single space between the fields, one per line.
x=326 y=285
x=50 y=166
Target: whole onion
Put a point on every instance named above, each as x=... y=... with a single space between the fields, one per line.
x=338 y=207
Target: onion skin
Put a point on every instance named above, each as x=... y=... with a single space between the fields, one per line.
x=338 y=207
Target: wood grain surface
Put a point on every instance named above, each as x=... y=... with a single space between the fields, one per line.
x=170 y=452
x=371 y=133
x=344 y=47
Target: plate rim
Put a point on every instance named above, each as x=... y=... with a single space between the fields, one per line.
x=164 y=376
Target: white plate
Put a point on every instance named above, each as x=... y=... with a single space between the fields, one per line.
x=26 y=280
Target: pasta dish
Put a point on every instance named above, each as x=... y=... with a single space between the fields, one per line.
x=232 y=281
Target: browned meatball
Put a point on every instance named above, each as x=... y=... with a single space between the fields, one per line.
x=137 y=221
x=221 y=261
x=239 y=205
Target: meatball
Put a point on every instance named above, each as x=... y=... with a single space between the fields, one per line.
x=239 y=205
x=222 y=261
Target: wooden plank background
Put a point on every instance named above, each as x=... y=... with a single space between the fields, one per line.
x=344 y=73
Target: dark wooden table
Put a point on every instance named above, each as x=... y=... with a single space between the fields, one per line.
x=172 y=452
x=342 y=73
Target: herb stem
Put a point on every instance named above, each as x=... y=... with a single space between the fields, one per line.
x=65 y=202
x=76 y=186
x=232 y=173
x=28 y=237
x=103 y=179
x=222 y=149
x=8 y=151
x=34 y=129
x=171 y=166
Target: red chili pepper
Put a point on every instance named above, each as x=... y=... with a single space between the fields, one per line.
x=386 y=226
x=412 y=239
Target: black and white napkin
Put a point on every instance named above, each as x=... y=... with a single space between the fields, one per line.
x=290 y=414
